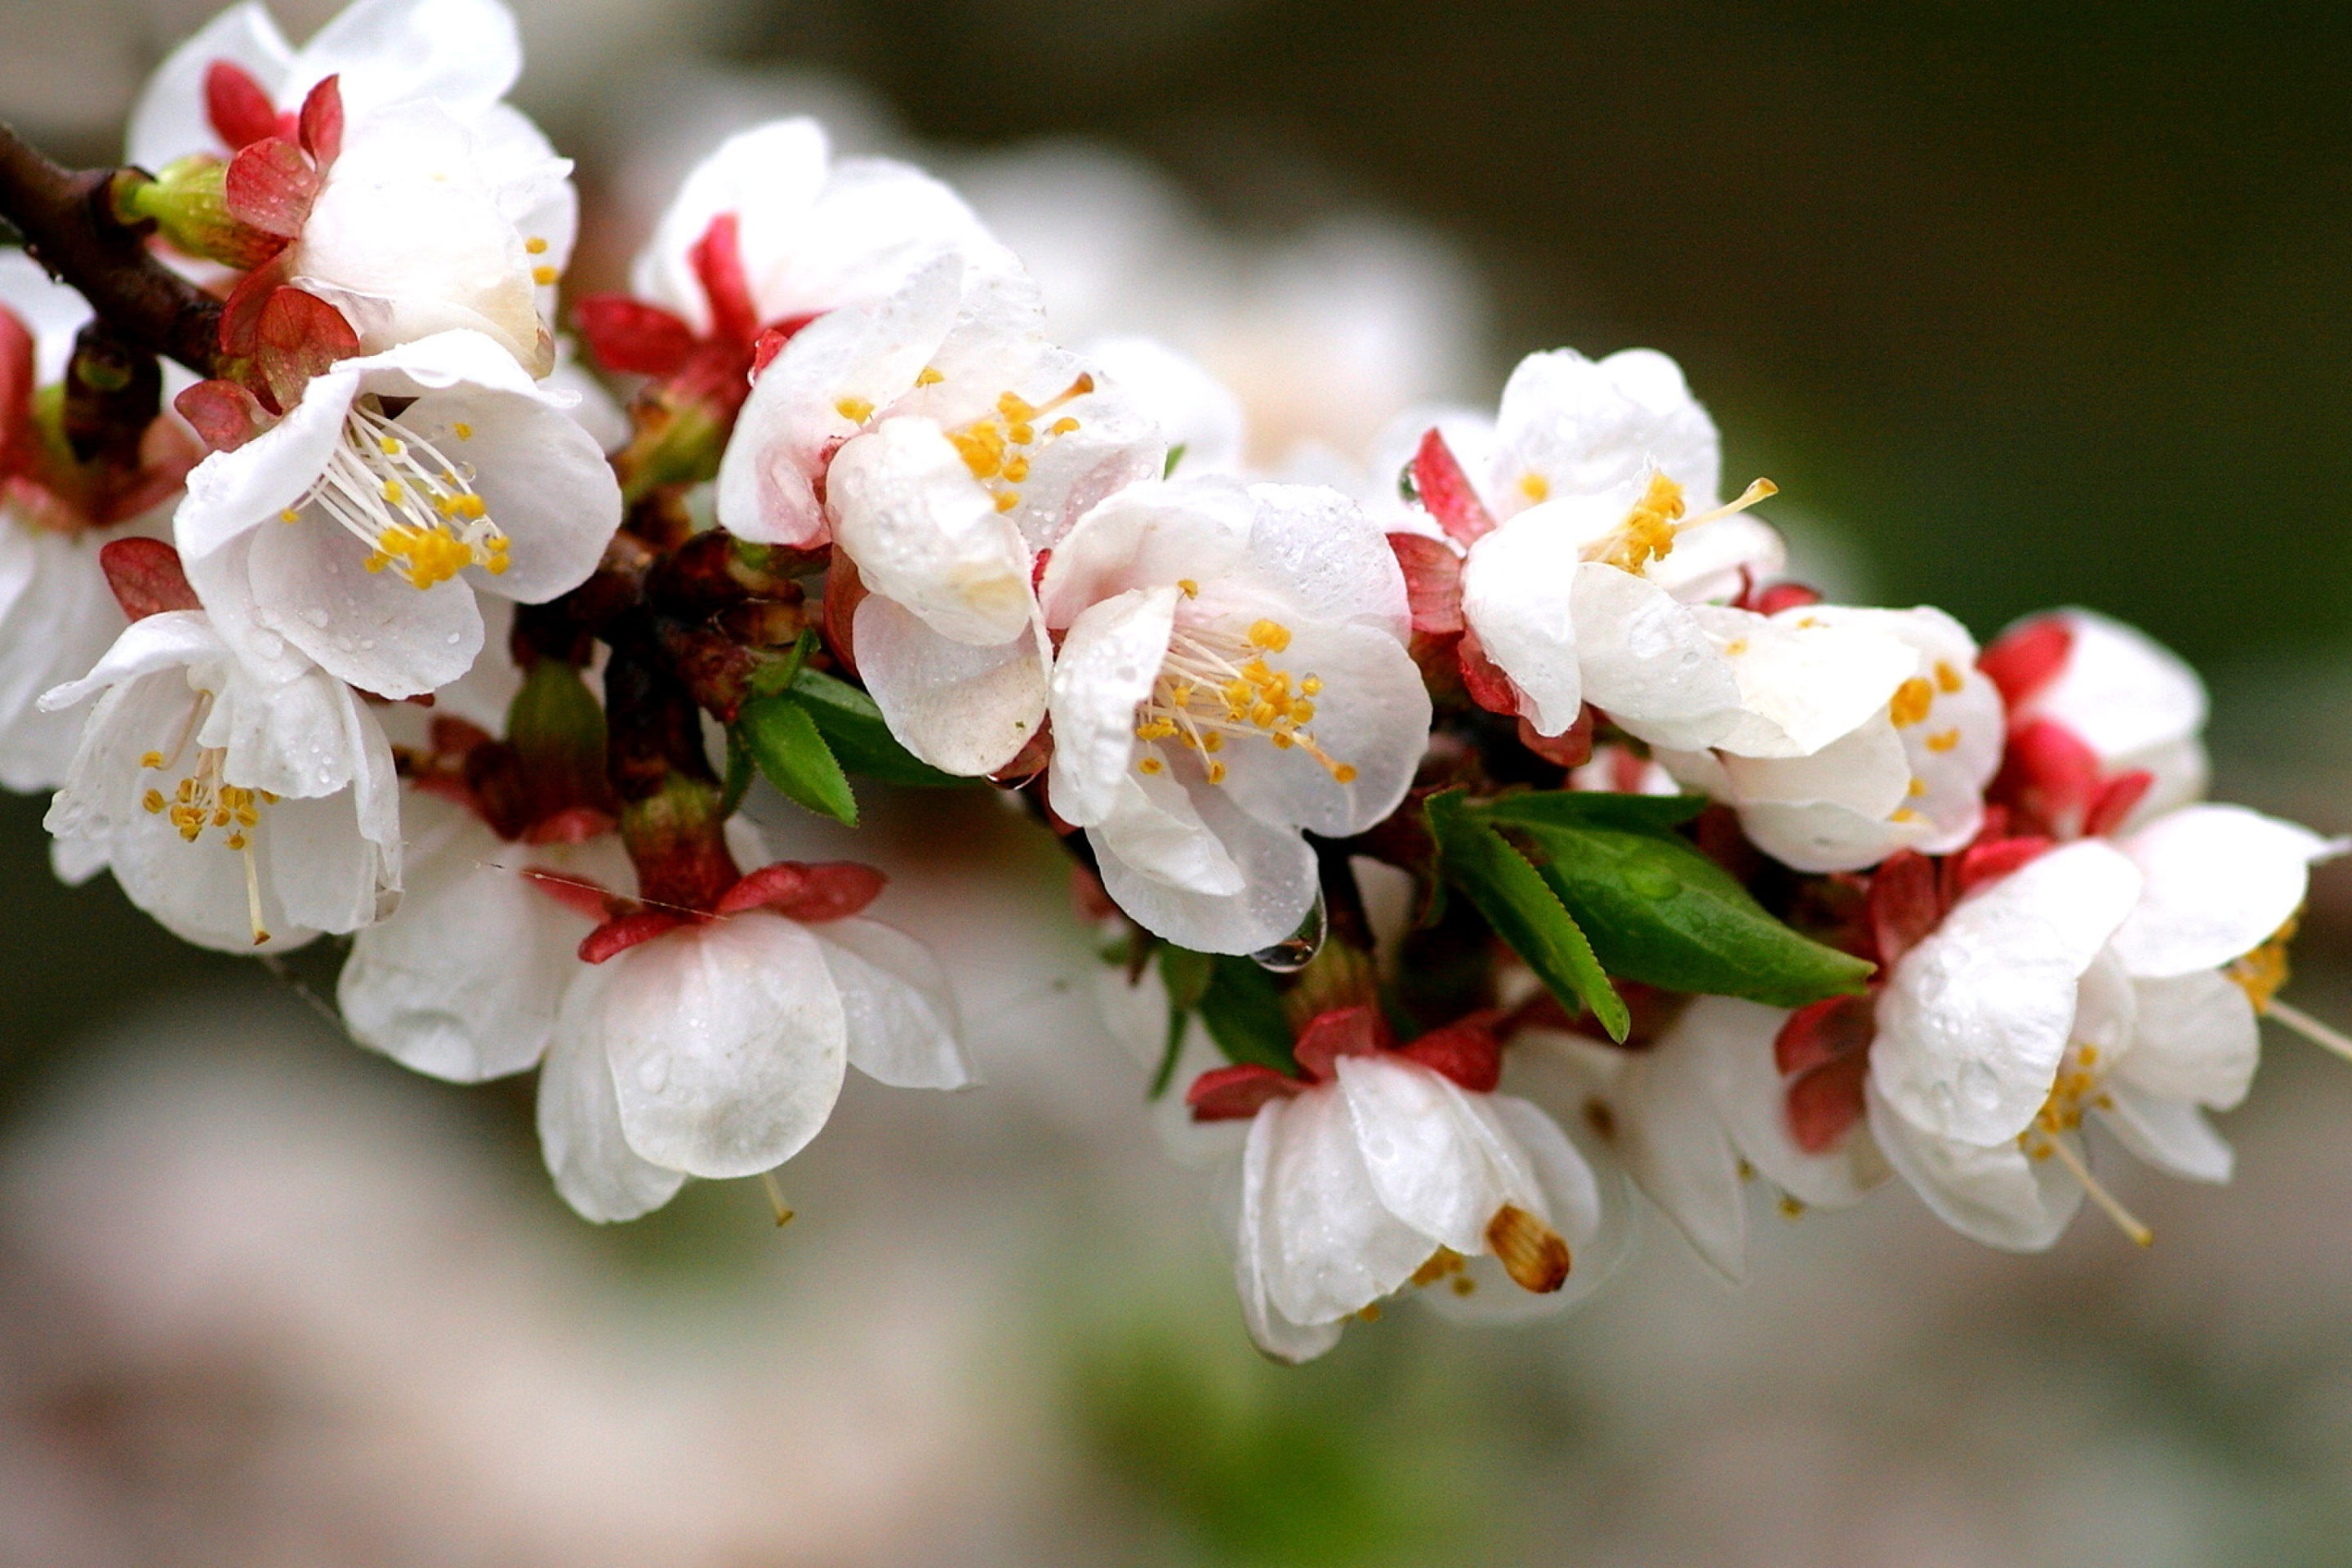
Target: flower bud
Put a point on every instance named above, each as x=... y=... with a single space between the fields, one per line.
x=189 y=204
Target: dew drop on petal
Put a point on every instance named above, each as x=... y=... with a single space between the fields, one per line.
x=1296 y=951
x=653 y=1072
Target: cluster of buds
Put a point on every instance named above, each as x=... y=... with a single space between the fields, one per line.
x=1480 y=840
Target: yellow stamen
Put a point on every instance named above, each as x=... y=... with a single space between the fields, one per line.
x=544 y=276
x=1911 y=702
x=1942 y=739
x=1948 y=680
x=856 y=410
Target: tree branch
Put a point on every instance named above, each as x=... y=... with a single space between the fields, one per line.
x=68 y=220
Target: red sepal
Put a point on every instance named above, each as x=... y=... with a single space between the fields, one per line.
x=2116 y=801
x=1571 y=747
x=1990 y=859
x=1825 y=1102
x=17 y=379
x=225 y=414
x=1446 y=493
x=1781 y=596
x=1341 y=1032
x=1488 y=686
x=146 y=577
x=270 y=185
x=718 y=261
x=1466 y=1051
x=622 y=932
x=1903 y=905
x=2024 y=660
x=320 y=127
x=240 y=111
x=1432 y=581
x=843 y=592
x=240 y=327
x=810 y=894
x=299 y=336
x=630 y=337
x=1830 y=1030
x=1237 y=1093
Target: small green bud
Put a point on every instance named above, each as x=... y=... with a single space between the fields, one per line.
x=188 y=203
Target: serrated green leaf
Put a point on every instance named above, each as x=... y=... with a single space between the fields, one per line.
x=739 y=768
x=778 y=675
x=1242 y=1009
x=859 y=738
x=1658 y=911
x=1591 y=808
x=784 y=739
x=1523 y=910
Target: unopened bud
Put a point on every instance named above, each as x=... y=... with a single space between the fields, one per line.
x=188 y=204
x=557 y=730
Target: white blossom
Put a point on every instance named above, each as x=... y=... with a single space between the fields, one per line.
x=1232 y=670
x=241 y=807
x=356 y=531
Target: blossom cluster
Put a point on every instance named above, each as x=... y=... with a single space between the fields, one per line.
x=1483 y=835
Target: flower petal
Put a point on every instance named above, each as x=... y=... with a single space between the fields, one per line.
x=1158 y=868
x=1649 y=663
x=1437 y=1158
x=1517 y=597
x=924 y=532
x=170 y=120
x=2195 y=1039
x=580 y=1132
x=1332 y=1248
x=965 y=709
x=2220 y=880
x=1975 y=1019
x=542 y=476
x=1258 y=1251
x=1106 y=665
x=1995 y=1195
x=309 y=584
x=727 y=1043
x=1373 y=715
x=2171 y=1134
x=897 y=1006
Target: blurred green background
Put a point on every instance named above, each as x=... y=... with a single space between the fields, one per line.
x=2019 y=304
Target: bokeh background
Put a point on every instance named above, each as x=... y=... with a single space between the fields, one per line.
x=2020 y=304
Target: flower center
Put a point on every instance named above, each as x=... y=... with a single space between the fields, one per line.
x=414 y=508
x=997 y=446
x=1216 y=682
x=1650 y=528
x=204 y=801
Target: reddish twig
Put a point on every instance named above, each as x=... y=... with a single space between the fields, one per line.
x=68 y=220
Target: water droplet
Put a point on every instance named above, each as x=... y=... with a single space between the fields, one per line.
x=653 y=1072
x=1296 y=951
x=456 y=637
x=1653 y=882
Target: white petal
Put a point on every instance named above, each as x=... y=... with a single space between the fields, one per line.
x=1806 y=677
x=860 y=356
x=2220 y=880
x=1153 y=830
x=466 y=53
x=463 y=981
x=926 y=533
x=895 y=1005
x=1997 y=1195
x=310 y=585
x=1373 y=715
x=727 y=1043
x=1315 y=550
x=2121 y=691
x=1649 y=663
x=1583 y=427
x=1275 y=868
x=1437 y=1157
x=1257 y=1255
x=961 y=709
x=1517 y=588
x=1592 y=1213
x=1677 y=1148
x=54 y=632
x=229 y=492
x=1974 y=1020
x=171 y=119
x=1733 y=1038
x=542 y=476
x=52 y=311
x=2171 y=1134
x=1106 y=665
x=1148 y=536
x=1331 y=1246
x=768 y=176
x=2195 y=1040
x=580 y=1132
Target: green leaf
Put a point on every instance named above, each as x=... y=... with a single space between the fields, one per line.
x=784 y=739
x=1185 y=976
x=739 y=768
x=1593 y=808
x=1175 y=456
x=1660 y=912
x=859 y=738
x=1242 y=1009
x=778 y=674
x=1523 y=910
